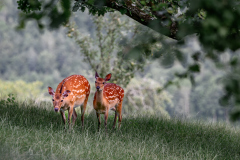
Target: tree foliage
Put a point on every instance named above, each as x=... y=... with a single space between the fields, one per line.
x=214 y=21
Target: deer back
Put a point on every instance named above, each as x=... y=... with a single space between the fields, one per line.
x=78 y=86
x=113 y=92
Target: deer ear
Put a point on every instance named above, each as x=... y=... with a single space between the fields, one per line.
x=65 y=93
x=50 y=91
x=96 y=75
x=108 y=77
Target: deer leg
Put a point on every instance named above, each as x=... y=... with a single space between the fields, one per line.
x=119 y=120
x=74 y=116
x=119 y=112
x=115 y=119
x=70 y=113
x=63 y=118
x=83 y=109
x=105 y=118
x=99 y=120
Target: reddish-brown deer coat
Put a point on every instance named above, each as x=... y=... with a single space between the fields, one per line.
x=71 y=92
x=108 y=96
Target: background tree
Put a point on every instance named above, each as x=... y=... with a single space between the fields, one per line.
x=104 y=52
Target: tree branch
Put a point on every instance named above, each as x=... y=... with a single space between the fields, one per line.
x=140 y=16
x=159 y=21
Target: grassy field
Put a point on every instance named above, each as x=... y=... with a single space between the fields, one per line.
x=35 y=131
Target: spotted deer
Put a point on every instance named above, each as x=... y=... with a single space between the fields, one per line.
x=72 y=92
x=108 y=96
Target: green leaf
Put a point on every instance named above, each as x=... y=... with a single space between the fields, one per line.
x=182 y=58
x=224 y=100
x=123 y=11
x=182 y=75
x=82 y=9
x=196 y=56
x=76 y=7
x=234 y=61
x=235 y=114
x=194 y=68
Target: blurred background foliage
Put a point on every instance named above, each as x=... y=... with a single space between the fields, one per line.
x=21 y=90
x=141 y=97
x=184 y=66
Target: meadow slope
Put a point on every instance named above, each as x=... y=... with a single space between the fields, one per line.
x=34 y=131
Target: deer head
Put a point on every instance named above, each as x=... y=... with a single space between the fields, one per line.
x=58 y=98
x=99 y=83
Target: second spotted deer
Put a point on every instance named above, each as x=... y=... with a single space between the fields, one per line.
x=108 y=96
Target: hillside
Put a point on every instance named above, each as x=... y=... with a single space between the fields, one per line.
x=32 y=130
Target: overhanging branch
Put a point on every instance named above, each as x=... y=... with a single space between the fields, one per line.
x=140 y=16
x=160 y=22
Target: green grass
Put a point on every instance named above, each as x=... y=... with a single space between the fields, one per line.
x=35 y=131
